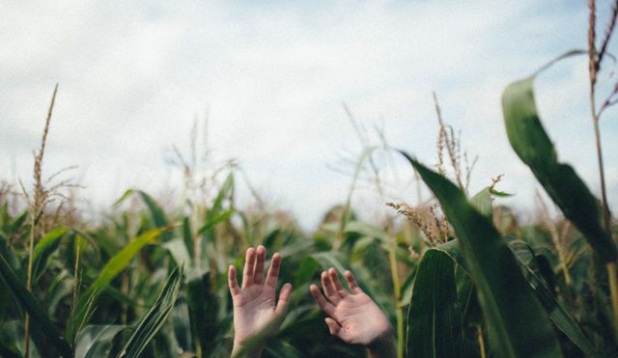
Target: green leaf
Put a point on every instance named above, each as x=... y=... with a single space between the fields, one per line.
x=96 y=340
x=517 y=325
x=157 y=214
x=227 y=189
x=434 y=318
x=560 y=181
x=558 y=314
x=29 y=302
x=155 y=318
x=216 y=219
x=481 y=201
x=118 y=263
x=178 y=250
x=204 y=308
x=45 y=247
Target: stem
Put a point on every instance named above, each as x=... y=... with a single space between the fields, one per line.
x=392 y=256
x=76 y=287
x=594 y=62
x=29 y=288
x=479 y=334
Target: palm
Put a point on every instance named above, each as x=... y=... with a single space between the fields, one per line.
x=353 y=313
x=256 y=312
x=254 y=308
x=353 y=316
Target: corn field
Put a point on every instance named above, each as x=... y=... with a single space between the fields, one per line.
x=458 y=277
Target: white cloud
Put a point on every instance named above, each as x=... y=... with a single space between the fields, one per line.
x=272 y=79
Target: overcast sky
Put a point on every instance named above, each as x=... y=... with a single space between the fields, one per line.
x=272 y=77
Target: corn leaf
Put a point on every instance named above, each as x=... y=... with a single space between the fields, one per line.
x=96 y=340
x=156 y=212
x=118 y=263
x=45 y=247
x=558 y=313
x=34 y=309
x=154 y=319
x=517 y=324
x=434 y=318
x=482 y=201
x=560 y=181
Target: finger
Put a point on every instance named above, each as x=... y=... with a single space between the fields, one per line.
x=324 y=305
x=273 y=270
x=352 y=284
x=333 y=326
x=258 y=275
x=284 y=299
x=231 y=280
x=337 y=286
x=329 y=289
x=247 y=275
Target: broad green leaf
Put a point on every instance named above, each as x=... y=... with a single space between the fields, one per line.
x=203 y=311
x=558 y=314
x=45 y=247
x=178 y=250
x=157 y=214
x=11 y=334
x=187 y=236
x=560 y=181
x=216 y=219
x=96 y=340
x=155 y=318
x=517 y=325
x=227 y=189
x=87 y=302
x=365 y=229
x=482 y=202
x=434 y=317
x=330 y=259
x=32 y=306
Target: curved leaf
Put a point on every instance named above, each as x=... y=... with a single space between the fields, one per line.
x=558 y=314
x=96 y=340
x=118 y=263
x=29 y=302
x=156 y=212
x=155 y=318
x=561 y=182
x=45 y=247
x=517 y=325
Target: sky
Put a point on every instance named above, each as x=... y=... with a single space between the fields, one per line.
x=268 y=84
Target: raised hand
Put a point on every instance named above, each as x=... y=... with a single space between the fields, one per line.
x=353 y=316
x=257 y=313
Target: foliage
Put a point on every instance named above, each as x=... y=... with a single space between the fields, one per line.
x=151 y=279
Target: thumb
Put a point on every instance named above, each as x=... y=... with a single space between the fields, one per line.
x=333 y=327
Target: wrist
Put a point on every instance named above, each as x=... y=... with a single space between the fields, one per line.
x=383 y=346
x=247 y=349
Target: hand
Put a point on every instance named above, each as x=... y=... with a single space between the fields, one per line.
x=353 y=316
x=256 y=315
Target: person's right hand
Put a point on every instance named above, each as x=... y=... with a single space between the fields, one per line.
x=353 y=316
